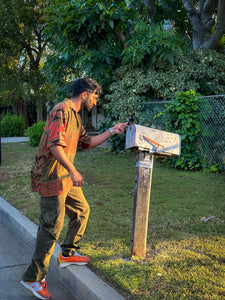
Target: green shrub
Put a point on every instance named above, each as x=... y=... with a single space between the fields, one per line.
x=202 y=71
x=122 y=105
x=152 y=43
x=183 y=118
x=35 y=133
x=12 y=125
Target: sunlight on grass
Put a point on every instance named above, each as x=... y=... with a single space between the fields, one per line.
x=185 y=255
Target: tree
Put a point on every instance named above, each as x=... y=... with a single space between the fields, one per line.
x=23 y=42
x=12 y=93
x=150 y=6
x=87 y=37
x=204 y=17
x=207 y=18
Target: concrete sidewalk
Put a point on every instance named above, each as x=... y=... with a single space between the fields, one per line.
x=18 y=139
x=14 y=259
x=14 y=139
x=18 y=234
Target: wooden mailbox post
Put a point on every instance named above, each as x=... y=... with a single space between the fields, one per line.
x=149 y=142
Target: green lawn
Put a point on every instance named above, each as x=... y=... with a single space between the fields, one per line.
x=185 y=255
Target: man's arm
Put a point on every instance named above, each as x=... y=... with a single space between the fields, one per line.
x=101 y=138
x=59 y=154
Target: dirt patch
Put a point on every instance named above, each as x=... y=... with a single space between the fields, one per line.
x=100 y=204
x=4 y=176
x=89 y=179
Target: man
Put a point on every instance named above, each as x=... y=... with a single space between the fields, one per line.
x=55 y=177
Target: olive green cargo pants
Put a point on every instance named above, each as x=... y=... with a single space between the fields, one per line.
x=51 y=223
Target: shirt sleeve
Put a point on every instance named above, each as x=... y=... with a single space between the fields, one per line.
x=56 y=128
x=84 y=139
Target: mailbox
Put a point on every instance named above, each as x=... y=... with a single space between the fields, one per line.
x=149 y=142
x=155 y=141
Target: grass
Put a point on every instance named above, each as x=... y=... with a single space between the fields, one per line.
x=185 y=255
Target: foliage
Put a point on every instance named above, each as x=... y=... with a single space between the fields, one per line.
x=183 y=119
x=22 y=46
x=12 y=125
x=91 y=38
x=150 y=43
x=12 y=71
x=175 y=12
x=208 y=69
x=165 y=10
x=123 y=104
x=84 y=38
x=202 y=70
x=35 y=133
x=201 y=21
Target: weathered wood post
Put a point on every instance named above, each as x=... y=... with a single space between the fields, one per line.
x=144 y=168
x=149 y=142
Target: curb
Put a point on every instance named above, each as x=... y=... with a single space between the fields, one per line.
x=80 y=281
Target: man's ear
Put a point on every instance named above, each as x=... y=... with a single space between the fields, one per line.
x=83 y=95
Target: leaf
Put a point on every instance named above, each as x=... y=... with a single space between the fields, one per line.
x=111 y=24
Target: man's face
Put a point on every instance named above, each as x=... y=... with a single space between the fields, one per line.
x=89 y=101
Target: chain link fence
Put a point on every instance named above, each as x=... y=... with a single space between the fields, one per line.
x=151 y=109
x=211 y=142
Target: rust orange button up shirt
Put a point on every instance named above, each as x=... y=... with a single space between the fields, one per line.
x=64 y=128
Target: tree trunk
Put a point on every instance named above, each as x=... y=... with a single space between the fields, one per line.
x=202 y=20
x=220 y=27
x=39 y=111
x=34 y=67
x=35 y=57
x=19 y=108
x=151 y=8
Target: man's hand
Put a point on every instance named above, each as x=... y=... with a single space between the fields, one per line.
x=100 y=138
x=119 y=128
x=76 y=178
x=58 y=152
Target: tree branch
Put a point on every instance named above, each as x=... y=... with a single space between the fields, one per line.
x=192 y=13
x=220 y=27
x=207 y=15
x=29 y=50
x=121 y=38
x=200 y=4
x=190 y=7
x=209 y=5
x=150 y=6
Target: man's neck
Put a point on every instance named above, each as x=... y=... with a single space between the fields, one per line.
x=76 y=102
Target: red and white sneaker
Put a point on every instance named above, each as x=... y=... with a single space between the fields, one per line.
x=38 y=288
x=75 y=259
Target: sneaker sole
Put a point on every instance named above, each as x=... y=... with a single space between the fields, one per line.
x=66 y=264
x=26 y=285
